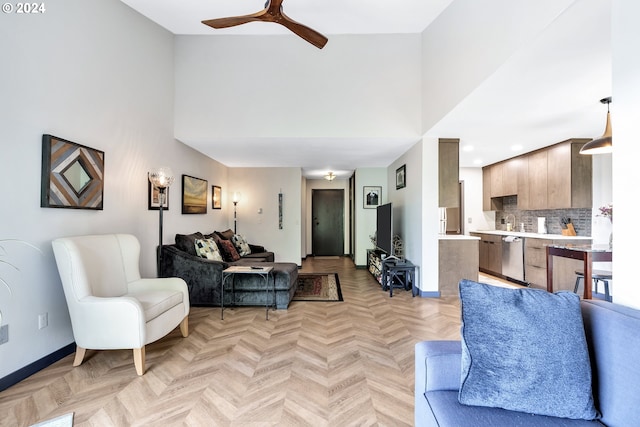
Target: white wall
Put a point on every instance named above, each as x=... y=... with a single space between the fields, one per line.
x=625 y=110
x=365 y=219
x=275 y=86
x=408 y=204
x=480 y=220
x=258 y=211
x=98 y=74
x=430 y=216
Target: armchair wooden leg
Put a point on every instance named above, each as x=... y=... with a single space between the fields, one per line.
x=138 y=359
x=80 y=352
x=184 y=326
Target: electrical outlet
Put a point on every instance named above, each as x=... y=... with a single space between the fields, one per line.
x=43 y=321
x=470 y=220
x=4 y=334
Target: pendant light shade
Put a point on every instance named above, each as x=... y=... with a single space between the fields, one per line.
x=604 y=143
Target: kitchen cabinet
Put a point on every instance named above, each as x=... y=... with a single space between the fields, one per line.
x=535 y=264
x=504 y=177
x=569 y=176
x=489 y=203
x=536 y=181
x=489 y=253
x=555 y=177
x=448 y=173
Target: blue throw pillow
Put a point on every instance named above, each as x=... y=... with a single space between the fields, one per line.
x=524 y=350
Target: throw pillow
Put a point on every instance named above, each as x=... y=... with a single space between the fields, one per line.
x=186 y=242
x=241 y=245
x=524 y=350
x=207 y=248
x=229 y=252
x=226 y=235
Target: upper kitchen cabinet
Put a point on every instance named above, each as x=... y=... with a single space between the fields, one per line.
x=448 y=173
x=573 y=187
x=555 y=177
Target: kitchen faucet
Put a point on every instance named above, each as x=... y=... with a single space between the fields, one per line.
x=510 y=225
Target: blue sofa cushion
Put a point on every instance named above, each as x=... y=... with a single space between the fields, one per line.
x=524 y=350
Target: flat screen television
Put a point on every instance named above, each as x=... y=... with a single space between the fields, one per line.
x=384 y=228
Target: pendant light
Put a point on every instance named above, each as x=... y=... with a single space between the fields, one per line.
x=604 y=143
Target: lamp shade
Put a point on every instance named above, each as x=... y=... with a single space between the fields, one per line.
x=604 y=144
x=161 y=177
x=237 y=196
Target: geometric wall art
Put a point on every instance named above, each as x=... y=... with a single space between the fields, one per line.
x=72 y=175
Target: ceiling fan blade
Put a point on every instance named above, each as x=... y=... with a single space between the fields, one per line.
x=234 y=20
x=309 y=34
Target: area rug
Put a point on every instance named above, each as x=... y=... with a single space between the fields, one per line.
x=318 y=287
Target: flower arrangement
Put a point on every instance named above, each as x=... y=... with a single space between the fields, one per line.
x=607 y=211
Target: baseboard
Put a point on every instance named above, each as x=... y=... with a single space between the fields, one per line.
x=424 y=294
x=22 y=373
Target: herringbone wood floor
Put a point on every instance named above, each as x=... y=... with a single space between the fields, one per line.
x=315 y=364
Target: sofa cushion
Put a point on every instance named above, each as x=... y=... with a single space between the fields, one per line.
x=187 y=242
x=207 y=248
x=228 y=251
x=524 y=350
x=241 y=245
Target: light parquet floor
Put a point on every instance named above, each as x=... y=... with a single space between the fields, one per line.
x=315 y=364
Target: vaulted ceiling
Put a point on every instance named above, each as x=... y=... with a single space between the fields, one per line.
x=547 y=90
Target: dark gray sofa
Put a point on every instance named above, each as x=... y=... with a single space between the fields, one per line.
x=204 y=276
x=612 y=338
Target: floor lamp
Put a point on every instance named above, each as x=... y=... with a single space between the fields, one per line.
x=236 y=199
x=161 y=178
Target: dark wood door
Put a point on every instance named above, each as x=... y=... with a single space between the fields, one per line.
x=327 y=229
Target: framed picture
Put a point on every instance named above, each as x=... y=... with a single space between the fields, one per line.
x=194 y=195
x=372 y=197
x=216 y=197
x=72 y=175
x=154 y=197
x=401 y=177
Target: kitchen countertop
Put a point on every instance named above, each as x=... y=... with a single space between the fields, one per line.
x=457 y=237
x=532 y=235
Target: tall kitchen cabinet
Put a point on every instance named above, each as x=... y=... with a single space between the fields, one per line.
x=555 y=177
x=448 y=173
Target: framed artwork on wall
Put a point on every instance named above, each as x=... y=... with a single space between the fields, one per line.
x=216 y=197
x=72 y=175
x=401 y=177
x=154 y=198
x=372 y=197
x=194 y=195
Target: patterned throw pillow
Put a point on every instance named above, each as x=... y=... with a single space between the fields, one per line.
x=241 y=245
x=229 y=252
x=207 y=248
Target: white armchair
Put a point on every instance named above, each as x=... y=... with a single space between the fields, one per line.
x=110 y=306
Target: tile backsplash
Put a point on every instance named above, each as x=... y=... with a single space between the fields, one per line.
x=580 y=218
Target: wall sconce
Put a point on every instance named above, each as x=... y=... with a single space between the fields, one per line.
x=161 y=178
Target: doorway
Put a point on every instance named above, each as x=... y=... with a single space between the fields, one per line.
x=327 y=222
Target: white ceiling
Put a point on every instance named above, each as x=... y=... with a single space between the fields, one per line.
x=547 y=92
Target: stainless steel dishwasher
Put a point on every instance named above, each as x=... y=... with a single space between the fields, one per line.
x=513 y=257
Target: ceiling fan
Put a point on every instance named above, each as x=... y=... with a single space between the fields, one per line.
x=272 y=13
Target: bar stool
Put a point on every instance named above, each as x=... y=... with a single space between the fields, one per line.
x=598 y=276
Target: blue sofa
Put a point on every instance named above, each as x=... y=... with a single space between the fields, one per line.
x=613 y=338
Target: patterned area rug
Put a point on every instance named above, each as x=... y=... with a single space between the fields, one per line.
x=318 y=287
